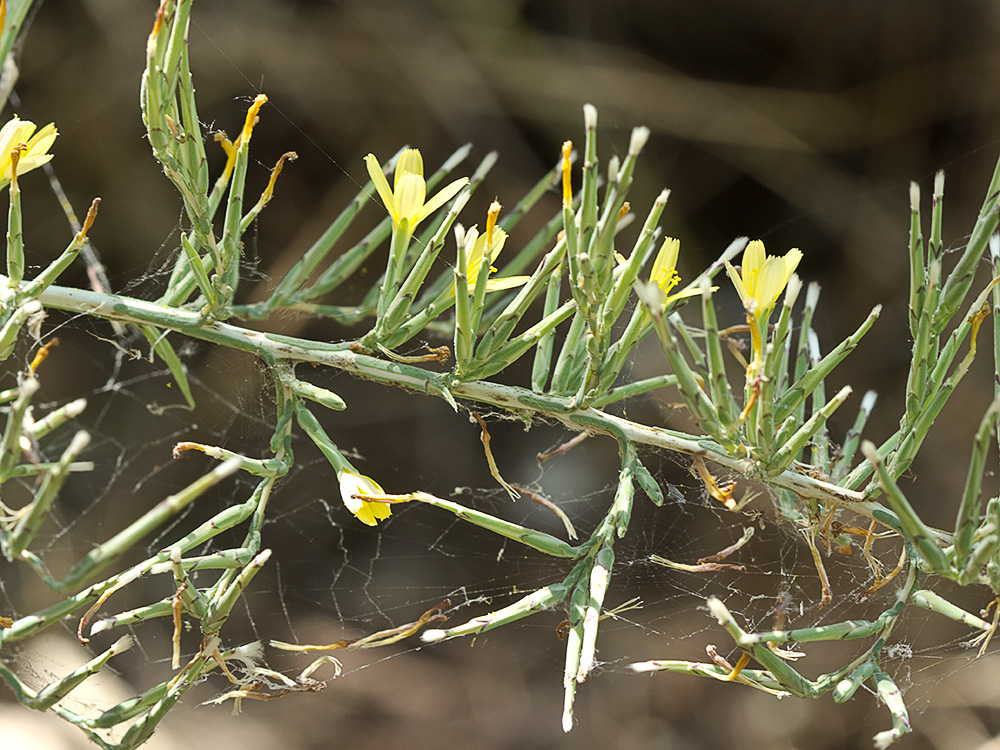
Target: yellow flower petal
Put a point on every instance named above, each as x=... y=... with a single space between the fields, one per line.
x=754 y=257
x=409 y=196
x=505 y=282
x=741 y=289
x=686 y=293
x=409 y=161
x=770 y=282
x=443 y=196
x=381 y=185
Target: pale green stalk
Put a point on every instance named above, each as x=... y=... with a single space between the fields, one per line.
x=56 y=691
x=994 y=246
x=537 y=601
x=227 y=271
x=10 y=444
x=791 y=446
x=518 y=346
x=574 y=644
x=29 y=524
x=572 y=360
x=104 y=555
x=465 y=333
x=541 y=368
x=702 y=409
x=720 y=389
x=937 y=603
x=503 y=325
x=918 y=262
x=891 y=696
x=631 y=390
x=165 y=351
x=959 y=281
x=798 y=391
x=545 y=543
x=199 y=271
x=969 y=510
x=846 y=688
x=222 y=604
x=293 y=281
x=852 y=439
x=941 y=385
x=399 y=309
x=922 y=537
x=15 y=237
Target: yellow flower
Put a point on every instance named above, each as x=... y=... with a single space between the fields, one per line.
x=664 y=271
x=759 y=281
x=762 y=278
x=19 y=131
x=367 y=511
x=406 y=199
x=475 y=247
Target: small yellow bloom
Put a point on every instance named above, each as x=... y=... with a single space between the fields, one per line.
x=759 y=281
x=19 y=131
x=367 y=511
x=475 y=247
x=762 y=278
x=664 y=271
x=406 y=199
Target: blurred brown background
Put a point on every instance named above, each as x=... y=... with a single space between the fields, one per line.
x=800 y=123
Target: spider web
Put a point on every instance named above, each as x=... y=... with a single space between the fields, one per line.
x=331 y=578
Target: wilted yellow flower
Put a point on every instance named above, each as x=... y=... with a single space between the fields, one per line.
x=19 y=131
x=367 y=511
x=762 y=278
x=406 y=199
x=567 y=167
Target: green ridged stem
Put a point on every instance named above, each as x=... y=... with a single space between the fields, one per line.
x=104 y=555
x=917 y=532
